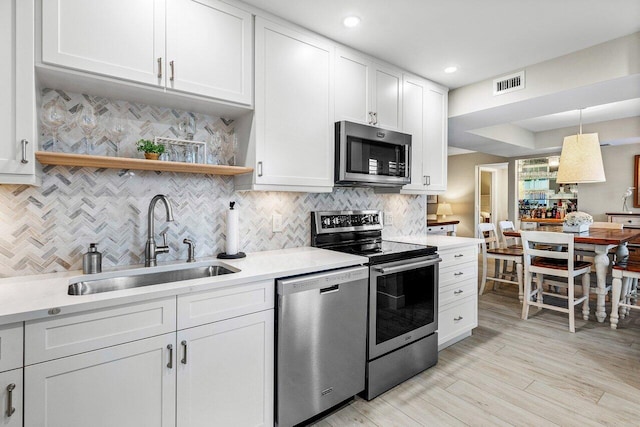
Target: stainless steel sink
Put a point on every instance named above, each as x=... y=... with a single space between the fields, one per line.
x=85 y=287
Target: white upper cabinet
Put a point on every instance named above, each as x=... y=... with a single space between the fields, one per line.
x=367 y=92
x=292 y=137
x=198 y=47
x=209 y=46
x=18 y=141
x=425 y=118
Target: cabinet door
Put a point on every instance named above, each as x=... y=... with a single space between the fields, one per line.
x=352 y=88
x=225 y=372
x=11 y=390
x=17 y=84
x=210 y=44
x=294 y=108
x=413 y=123
x=435 y=139
x=117 y=38
x=125 y=385
x=387 y=98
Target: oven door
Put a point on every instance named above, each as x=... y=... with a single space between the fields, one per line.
x=403 y=303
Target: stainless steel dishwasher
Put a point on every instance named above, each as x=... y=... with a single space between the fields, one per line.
x=321 y=333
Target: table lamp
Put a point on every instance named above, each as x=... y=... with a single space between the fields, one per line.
x=444 y=209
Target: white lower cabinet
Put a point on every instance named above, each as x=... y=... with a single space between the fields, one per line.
x=127 y=366
x=458 y=294
x=11 y=390
x=225 y=373
x=131 y=384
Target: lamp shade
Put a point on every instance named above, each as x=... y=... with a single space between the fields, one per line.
x=444 y=209
x=581 y=160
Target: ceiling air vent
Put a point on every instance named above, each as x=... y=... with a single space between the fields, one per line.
x=509 y=83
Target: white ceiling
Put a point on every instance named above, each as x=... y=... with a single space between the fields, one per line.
x=484 y=39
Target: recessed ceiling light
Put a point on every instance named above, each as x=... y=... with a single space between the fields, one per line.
x=450 y=70
x=351 y=21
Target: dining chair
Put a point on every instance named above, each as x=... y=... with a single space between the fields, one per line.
x=491 y=250
x=511 y=243
x=624 y=295
x=558 y=262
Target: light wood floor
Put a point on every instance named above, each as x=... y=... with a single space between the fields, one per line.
x=516 y=372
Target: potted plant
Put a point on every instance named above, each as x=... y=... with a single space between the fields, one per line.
x=151 y=150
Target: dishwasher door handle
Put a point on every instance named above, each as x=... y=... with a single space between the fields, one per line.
x=330 y=289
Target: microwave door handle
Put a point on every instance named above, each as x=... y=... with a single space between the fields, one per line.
x=404 y=267
x=407 y=153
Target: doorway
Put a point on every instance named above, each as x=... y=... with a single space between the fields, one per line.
x=491 y=194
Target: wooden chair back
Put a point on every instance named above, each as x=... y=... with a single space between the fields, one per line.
x=506 y=240
x=542 y=244
x=487 y=231
x=609 y=225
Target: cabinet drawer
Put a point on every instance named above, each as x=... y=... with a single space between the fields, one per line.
x=628 y=221
x=440 y=229
x=212 y=306
x=11 y=345
x=458 y=318
x=458 y=256
x=457 y=291
x=77 y=333
x=458 y=273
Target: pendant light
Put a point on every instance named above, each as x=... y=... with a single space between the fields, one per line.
x=581 y=159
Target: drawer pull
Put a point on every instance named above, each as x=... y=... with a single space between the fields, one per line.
x=458 y=292
x=10 y=408
x=460 y=273
x=457 y=319
x=170 y=364
x=458 y=255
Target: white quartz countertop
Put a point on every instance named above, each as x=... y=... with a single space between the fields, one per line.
x=440 y=241
x=31 y=297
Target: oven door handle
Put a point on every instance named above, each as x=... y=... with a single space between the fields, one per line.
x=404 y=267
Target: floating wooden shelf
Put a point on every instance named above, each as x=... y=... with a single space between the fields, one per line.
x=84 y=160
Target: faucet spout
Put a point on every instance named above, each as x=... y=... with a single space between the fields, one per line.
x=151 y=249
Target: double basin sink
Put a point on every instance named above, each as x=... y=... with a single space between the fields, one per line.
x=135 y=280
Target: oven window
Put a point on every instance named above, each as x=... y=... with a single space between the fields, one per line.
x=375 y=158
x=404 y=302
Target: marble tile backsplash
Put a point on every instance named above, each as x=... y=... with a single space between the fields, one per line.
x=47 y=229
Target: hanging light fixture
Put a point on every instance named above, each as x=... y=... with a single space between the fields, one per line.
x=581 y=159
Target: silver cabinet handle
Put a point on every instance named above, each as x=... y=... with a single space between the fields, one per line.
x=170 y=364
x=458 y=292
x=370 y=117
x=171 y=64
x=159 y=68
x=24 y=143
x=460 y=273
x=458 y=255
x=424 y=180
x=10 y=408
x=457 y=319
x=184 y=357
x=375 y=118
x=259 y=168
x=428 y=180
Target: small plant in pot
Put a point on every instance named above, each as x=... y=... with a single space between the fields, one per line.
x=151 y=150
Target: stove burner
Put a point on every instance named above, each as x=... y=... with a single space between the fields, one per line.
x=360 y=233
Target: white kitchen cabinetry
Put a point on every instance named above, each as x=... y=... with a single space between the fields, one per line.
x=367 y=92
x=11 y=389
x=198 y=47
x=18 y=142
x=291 y=134
x=131 y=384
x=425 y=118
x=225 y=372
x=128 y=366
x=458 y=295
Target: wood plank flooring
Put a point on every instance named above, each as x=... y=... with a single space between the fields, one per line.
x=512 y=372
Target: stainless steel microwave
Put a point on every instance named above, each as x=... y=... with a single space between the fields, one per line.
x=372 y=157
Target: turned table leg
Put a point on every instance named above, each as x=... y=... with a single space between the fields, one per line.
x=602 y=264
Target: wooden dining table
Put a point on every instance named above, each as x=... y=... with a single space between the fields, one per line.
x=599 y=241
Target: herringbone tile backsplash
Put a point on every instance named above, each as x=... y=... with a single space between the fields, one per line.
x=48 y=228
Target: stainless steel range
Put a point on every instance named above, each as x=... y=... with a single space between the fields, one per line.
x=403 y=295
